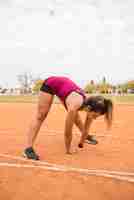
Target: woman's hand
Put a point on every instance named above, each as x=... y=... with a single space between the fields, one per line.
x=80 y=145
x=74 y=151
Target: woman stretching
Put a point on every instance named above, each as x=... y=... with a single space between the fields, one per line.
x=74 y=100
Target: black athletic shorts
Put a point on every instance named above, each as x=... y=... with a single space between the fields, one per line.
x=46 y=88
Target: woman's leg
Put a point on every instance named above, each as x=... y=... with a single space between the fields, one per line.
x=43 y=107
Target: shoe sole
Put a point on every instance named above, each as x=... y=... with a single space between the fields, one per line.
x=25 y=156
x=90 y=142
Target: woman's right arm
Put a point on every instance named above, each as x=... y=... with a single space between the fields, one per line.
x=70 y=119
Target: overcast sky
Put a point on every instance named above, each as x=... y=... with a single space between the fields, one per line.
x=83 y=39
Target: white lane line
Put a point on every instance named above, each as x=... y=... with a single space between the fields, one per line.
x=43 y=163
x=120 y=178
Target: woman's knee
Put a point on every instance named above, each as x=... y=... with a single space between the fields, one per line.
x=41 y=116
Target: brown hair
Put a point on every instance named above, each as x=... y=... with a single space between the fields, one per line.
x=109 y=112
x=100 y=105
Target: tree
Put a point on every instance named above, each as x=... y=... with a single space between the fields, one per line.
x=90 y=87
x=92 y=82
x=130 y=84
x=104 y=86
x=37 y=85
x=104 y=80
x=25 y=80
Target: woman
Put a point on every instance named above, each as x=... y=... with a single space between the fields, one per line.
x=74 y=100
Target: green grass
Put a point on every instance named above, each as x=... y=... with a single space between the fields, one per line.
x=18 y=99
x=33 y=99
x=122 y=99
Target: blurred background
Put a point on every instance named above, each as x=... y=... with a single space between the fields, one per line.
x=90 y=41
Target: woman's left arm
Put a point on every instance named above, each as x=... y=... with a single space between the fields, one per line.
x=87 y=124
